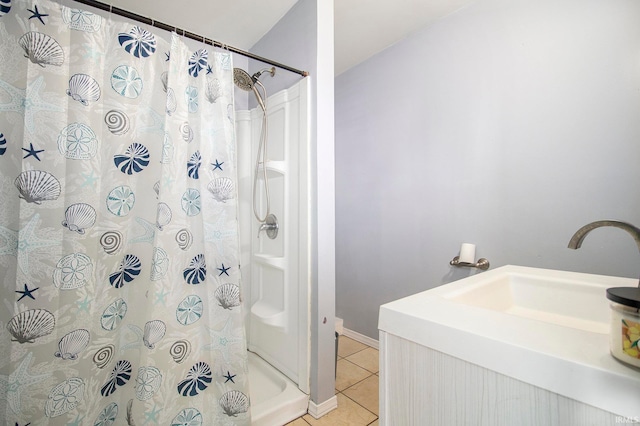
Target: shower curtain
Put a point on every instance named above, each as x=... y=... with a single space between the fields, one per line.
x=118 y=227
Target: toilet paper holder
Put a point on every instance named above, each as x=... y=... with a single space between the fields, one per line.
x=482 y=263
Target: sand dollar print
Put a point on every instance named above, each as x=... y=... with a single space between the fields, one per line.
x=126 y=81
x=120 y=200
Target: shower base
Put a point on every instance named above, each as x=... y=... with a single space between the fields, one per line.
x=275 y=400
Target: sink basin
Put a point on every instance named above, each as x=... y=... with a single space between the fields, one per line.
x=576 y=303
x=546 y=328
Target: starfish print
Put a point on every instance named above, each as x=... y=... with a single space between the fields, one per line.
x=229 y=377
x=27 y=105
x=77 y=421
x=209 y=70
x=83 y=305
x=217 y=165
x=12 y=386
x=149 y=230
x=28 y=292
x=92 y=54
x=216 y=232
x=89 y=179
x=32 y=152
x=10 y=238
x=29 y=242
x=152 y=416
x=221 y=340
x=224 y=270
x=37 y=14
x=161 y=297
x=168 y=55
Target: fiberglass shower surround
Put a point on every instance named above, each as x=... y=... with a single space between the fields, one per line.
x=119 y=245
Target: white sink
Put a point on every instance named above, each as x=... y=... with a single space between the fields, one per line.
x=543 y=327
x=577 y=302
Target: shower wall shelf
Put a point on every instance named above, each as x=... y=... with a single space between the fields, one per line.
x=269 y=315
x=273 y=261
x=276 y=166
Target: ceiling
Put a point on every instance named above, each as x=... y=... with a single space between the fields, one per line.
x=362 y=27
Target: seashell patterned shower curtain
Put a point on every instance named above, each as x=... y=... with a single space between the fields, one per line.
x=118 y=225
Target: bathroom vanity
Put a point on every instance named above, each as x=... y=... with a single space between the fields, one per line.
x=511 y=346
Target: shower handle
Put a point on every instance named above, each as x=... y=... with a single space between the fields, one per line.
x=270 y=225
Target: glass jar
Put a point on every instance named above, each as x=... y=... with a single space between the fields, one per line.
x=624 y=336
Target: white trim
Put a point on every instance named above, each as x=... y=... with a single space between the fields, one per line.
x=339 y=326
x=361 y=338
x=319 y=410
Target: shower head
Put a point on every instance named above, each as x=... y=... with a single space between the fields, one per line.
x=244 y=81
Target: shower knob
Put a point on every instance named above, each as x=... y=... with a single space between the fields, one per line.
x=270 y=225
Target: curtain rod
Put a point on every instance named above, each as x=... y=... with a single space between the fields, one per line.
x=130 y=15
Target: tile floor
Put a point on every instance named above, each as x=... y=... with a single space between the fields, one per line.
x=356 y=388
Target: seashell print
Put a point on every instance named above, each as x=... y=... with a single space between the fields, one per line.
x=78 y=217
x=191 y=203
x=180 y=350
x=77 y=141
x=128 y=269
x=111 y=241
x=103 y=356
x=154 y=330
x=3 y=142
x=148 y=382
x=156 y=188
x=159 y=264
x=167 y=149
x=139 y=42
x=107 y=416
x=184 y=239
x=186 y=131
x=198 y=62
x=83 y=88
x=5 y=7
x=189 y=310
x=119 y=376
x=73 y=271
x=36 y=186
x=134 y=159
x=27 y=326
x=120 y=200
x=197 y=270
x=163 y=215
x=228 y=295
x=214 y=90
x=41 y=49
x=191 y=95
x=193 y=165
x=126 y=81
x=64 y=397
x=197 y=380
x=117 y=122
x=113 y=314
x=81 y=20
x=234 y=402
x=188 y=417
x=172 y=103
x=164 y=79
x=72 y=344
x=221 y=188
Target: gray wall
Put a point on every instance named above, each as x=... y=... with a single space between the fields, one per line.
x=509 y=124
x=303 y=39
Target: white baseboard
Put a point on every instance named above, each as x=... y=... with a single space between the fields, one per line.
x=355 y=335
x=319 y=410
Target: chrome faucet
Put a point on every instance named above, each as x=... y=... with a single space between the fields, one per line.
x=578 y=237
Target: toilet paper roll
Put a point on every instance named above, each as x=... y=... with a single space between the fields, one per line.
x=467 y=253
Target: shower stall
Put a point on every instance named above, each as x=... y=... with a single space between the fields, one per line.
x=276 y=271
